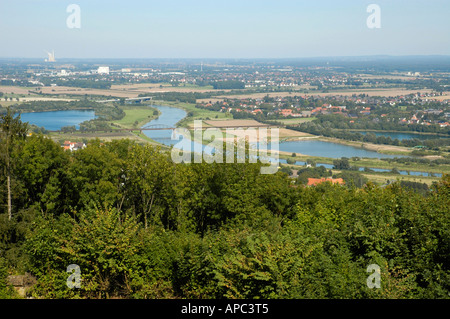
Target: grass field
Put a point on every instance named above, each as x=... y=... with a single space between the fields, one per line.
x=375 y=163
x=136 y=116
x=4 y=104
x=382 y=179
x=195 y=113
x=83 y=137
x=296 y=120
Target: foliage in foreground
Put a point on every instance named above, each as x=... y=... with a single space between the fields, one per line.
x=140 y=226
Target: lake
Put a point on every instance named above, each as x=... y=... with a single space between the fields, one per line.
x=404 y=135
x=55 y=120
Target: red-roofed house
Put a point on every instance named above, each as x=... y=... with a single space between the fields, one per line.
x=72 y=146
x=414 y=120
x=286 y=112
x=68 y=145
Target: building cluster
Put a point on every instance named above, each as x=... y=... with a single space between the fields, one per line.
x=73 y=146
x=302 y=81
x=378 y=108
x=420 y=119
x=256 y=75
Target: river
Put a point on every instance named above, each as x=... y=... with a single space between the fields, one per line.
x=170 y=116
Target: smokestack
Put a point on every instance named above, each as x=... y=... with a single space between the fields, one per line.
x=51 y=56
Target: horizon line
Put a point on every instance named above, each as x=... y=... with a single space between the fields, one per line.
x=234 y=58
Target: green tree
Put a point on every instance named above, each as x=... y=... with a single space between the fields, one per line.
x=290 y=160
x=353 y=178
x=46 y=259
x=341 y=164
x=68 y=129
x=98 y=175
x=42 y=165
x=149 y=176
x=107 y=250
x=12 y=132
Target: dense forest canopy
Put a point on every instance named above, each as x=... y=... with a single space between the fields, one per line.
x=140 y=226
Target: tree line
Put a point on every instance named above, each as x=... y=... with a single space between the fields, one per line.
x=339 y=121
x=141 y=226
x=80 y=83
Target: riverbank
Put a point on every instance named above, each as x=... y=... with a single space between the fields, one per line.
x=379 y=148
x=372 y=163
x=407 y=167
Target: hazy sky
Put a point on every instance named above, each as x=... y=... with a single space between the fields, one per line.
x=223 y=29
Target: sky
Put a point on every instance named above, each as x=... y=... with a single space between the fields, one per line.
x=223 y=28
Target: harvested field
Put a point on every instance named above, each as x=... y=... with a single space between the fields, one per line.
x=84 y=91
x=29 y=99
x=444 y=96
x=156 y=88
x=15 y=89
x=283 y=132
x=297 y=120
x=59 y=90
